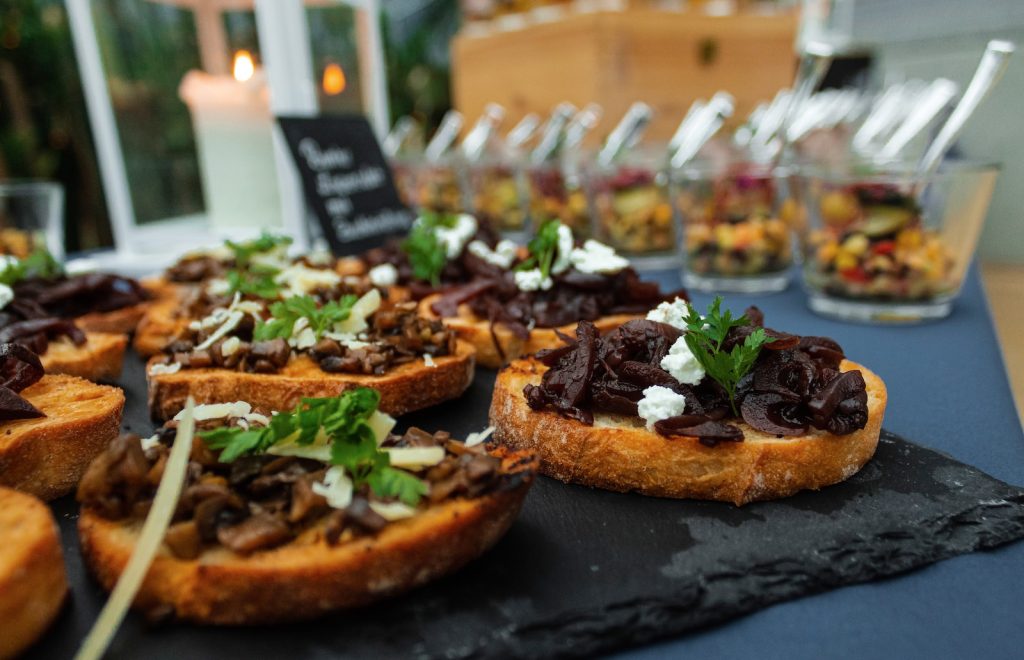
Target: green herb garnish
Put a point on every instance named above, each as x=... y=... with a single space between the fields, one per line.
x=344 y=421
x=427 y=255
x=245 y=250
x=254 y=281
x=40 y=263
x=286 y=313
x=543 y=249
x=705 y=336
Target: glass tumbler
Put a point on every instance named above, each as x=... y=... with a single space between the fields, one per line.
x=737 y=222
x=497 y=195
x=883 y=246
x=632 y=209
x=31 y=217
x=557 y=192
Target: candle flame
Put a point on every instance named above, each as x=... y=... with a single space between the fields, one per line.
x=334 y=79
x=243 y=67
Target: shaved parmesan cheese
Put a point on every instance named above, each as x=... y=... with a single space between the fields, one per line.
x=152 y=442
x=414 y=457
x=230 y=346
x=217 y=286
x=153 y=530
x=392 y=511
x=234 y=318
x=347 y=339
x=473 y=439
x=315 y=451
x=336 y=488
x=364 y=307
x=381 y=423
x=299 y=279
x=428 y=360
x=161 y=369
x=219 y=411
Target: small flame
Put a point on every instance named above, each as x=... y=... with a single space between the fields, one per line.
x=334 y=79
x=243 y=67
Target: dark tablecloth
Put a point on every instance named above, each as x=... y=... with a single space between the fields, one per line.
x=948 y=390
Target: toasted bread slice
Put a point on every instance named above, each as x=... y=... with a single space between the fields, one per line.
x=308 y=577
x=48 y=455
x=118 y=321
x=404 y=388
x=33 y=584
x=619 y=453
x=469 y=327
x=100 y=358
x=162 y=322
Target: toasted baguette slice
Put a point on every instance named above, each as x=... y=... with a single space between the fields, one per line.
x=162 y=321
x=118 y=321
x=477 y=331
x=33 y=584
x=100 y=358
x=404 y=388
x=619 y=453
x=308 y=577
x=48 y=455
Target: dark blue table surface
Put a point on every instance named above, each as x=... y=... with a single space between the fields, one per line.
x=948 y=390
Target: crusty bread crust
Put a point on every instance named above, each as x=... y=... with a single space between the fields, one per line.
x=618 y=453
x=100 y=358
x=118 y=321
x=48 y=455
x=405 y=388
x=33 y=584
x=469 y=327
x=308 y=577
x=162 y=322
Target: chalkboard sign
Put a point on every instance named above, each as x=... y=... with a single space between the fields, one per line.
x=346 y=180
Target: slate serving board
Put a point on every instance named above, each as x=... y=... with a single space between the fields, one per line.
x=584 y=571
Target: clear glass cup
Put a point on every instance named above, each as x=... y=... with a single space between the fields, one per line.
x=403 y=173
x=736 y=221
x=438 y=187
x=494 y=187
x=882 y=247
x=557 y=192
x=633 y=211
x=31 y=216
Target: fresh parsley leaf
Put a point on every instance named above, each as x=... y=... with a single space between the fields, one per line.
x=543 y=249
x=392 y=482
x=426 y=254
x=39 y=263
x=705 y=336
x=284 y=314
x=235 y=442
x=245 y=250
x=344 y=421
x=253 y=281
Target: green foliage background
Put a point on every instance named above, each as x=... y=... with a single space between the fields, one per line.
x=44 y=128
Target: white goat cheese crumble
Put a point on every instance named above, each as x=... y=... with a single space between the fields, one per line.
x=454 y=238
x=682 y=364
x=660 y=403
x=502 y=256
x=596 y=257
x=384 y=275
x=532 y=280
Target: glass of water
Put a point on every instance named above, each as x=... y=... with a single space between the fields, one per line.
x=31 y=217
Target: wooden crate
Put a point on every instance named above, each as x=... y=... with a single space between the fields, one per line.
x=614 y=58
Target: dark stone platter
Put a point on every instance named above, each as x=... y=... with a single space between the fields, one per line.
x=584 y=571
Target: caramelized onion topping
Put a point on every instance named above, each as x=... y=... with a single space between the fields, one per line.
x=792 y=387
x=19 y=368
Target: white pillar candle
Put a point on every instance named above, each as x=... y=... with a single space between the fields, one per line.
x=233 y=126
